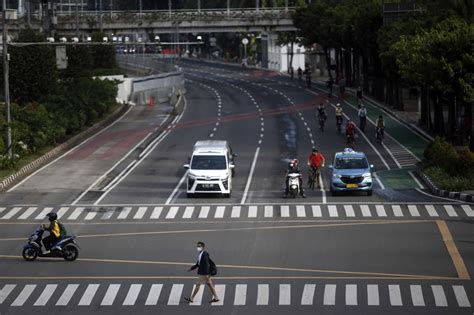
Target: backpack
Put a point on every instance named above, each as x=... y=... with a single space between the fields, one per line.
x=62 y=230
x=212 y=268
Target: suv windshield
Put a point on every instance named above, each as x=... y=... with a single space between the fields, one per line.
x=351 y=163
x=208 y=162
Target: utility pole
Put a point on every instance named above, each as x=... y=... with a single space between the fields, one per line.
x=77 y=19
x=140 y=8
x=228 y=7
x=6 y=78
x=101 y=17
x=199 y=5
x=169 y=7
x=257 y=5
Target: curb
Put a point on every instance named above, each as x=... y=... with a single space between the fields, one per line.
x=51 y=155
x=441 y=192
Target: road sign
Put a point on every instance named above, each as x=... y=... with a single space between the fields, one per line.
x=245 y=41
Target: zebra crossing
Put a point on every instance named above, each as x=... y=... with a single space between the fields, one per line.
x=221 y=212
x=240 y=294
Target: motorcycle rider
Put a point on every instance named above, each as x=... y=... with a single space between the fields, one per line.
x=293 y=168
x=316 y=160
x=350 y=131
x=54 y=230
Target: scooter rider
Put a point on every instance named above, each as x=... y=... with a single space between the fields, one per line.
x=54 y=230
x=339 y=113
x=293 y=168
x=322 y=111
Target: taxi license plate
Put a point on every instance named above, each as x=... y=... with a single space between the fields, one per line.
x=208 y=185
x=352 y=186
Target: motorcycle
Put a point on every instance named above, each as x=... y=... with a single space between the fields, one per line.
x=66 y=248
x=294 y=184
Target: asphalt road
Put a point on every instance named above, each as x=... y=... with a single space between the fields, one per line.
x=397 y=251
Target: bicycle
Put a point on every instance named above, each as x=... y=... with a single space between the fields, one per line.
x=350 y=140
x=322 y=120
x=338 y=123
x=313 y=176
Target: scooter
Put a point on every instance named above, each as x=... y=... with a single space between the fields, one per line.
x=294 y=184
x=66 y=248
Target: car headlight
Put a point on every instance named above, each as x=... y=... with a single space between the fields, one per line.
x=336 y=176
x=367 y=175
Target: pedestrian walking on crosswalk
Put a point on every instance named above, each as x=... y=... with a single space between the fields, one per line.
x=206 y=268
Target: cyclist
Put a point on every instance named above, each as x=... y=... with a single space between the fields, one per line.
x=359 y=96
x=339 y=114
x=307 y=71
x=316 y=160
x=362 y=113
x=350 y=132
x=300 y=73
x=329 y=84
x=380 y=127
x=322 y=115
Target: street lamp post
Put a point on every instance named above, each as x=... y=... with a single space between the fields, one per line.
x=6 y=77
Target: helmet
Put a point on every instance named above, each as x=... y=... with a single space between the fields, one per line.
x=338 y=104
x=315 y=150
x=52 y=216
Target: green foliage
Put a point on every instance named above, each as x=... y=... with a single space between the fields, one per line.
x=451 y=183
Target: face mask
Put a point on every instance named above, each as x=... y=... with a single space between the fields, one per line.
x=199 y=249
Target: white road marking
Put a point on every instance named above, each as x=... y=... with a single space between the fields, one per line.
x=365 y=211
x=197 y=301
x=397 y=211
x=107 y=215
x=11 y=213
x=91 y=215
x=220 y=291
x=330 y=294
x=5 y=292
x=439 y=296
x=285 y=295
x=111 y=294
x=300 y=211
x=461 y=296
x=235 y=212
x=373 y=295
x=382 y=186
x=62 y=211
x=24 y=295
x=431 y=211
x=351 y=294
x=27 y=213
x=172 y=213
x=46 y=294
x=140 y=213
x=156 y=213
x=188 y=212
x=252 y=212
x=89 y=294
x=76 y=213
x=204 y=212
x=308 y=294
x=420 y=185
x=316 y=211
x=219 y=212
x=417 y=295
x=333 y=211
x=240 y=294
x=176 y=189
x=263 y=294
x=268 y=211
x=413 y=211
x=132 y=294
x=249 y=180
x=349 y=211
x=285 y=211
x=124 y=213
x=468 y=210
x=380 y=211
x=175 y=294
x=395 y=295
x=67 y=295
x=154 y=294
x=450 y=210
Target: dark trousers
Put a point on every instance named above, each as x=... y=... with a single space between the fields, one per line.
x=363 y=122
x=49 y=241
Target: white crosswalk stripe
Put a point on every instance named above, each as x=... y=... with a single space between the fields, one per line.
x=46 y=295
x=124 y=213
x=132 y=294
x=240 y=297
x=421 y=295
x=204 y=212
x=242 y=212
x=175 y=295
x=67 y=295
x=89 y=294
x=308 y=294
x=263 y=294
x=330 y=294
x=154 y=294
x=439 y=296
x=5 y=292
x=188 y=212
x=25 y=215
x=24 y=295
x=140 y=213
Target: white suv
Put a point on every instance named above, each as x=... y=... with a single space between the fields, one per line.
x=211 y=168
